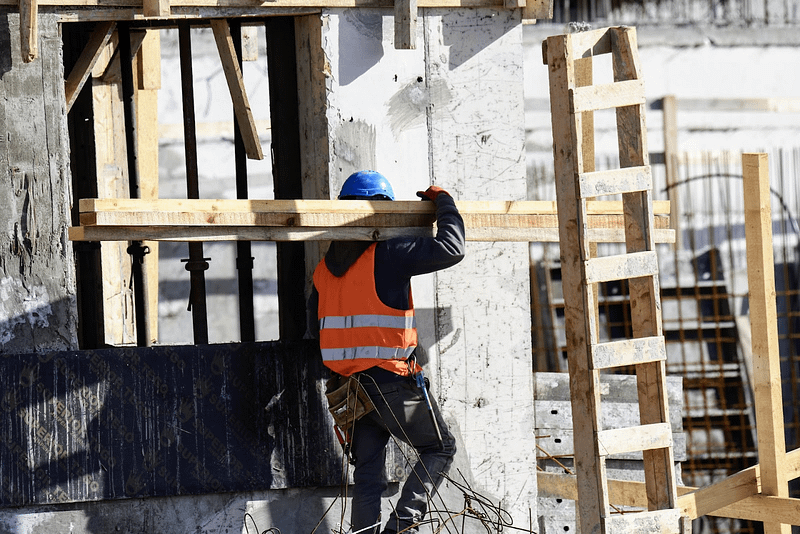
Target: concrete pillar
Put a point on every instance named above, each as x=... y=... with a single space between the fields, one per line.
x=450 y=113
x=37 y=278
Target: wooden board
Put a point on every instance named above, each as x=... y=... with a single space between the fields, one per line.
x=764 y=328
x=315 y=220
x=736 y=496
x=87 y=60
x=233 y=75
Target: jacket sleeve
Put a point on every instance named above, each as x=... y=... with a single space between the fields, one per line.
x=414 y=256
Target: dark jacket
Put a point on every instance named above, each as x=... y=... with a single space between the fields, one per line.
x=398 y=259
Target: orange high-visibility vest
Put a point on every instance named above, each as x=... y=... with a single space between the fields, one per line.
x=356 y=330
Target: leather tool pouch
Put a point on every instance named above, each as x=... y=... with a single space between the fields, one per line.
x=348 y=401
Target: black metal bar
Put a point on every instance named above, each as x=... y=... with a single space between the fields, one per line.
x=286 y=169
x=135 y=249
x=244 y=258
x=196 y=264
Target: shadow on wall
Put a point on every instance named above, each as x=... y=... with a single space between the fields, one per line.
x=5 y=46
x=361 y=34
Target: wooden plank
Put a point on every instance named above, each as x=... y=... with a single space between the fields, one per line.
x=670 y=128
x=560 y=53
x=233 y=74
x=764 y=328
x=776 y=105
x=274 y=233
x=607 y=96
x=735 y=496
x=628 y=352
x=621 y=267
x=191 y=219
x=747 y=504
x=510 y=207
x=29 y=29
x=589 y=43
x=156 y=8
x=109 y=149
x=405 y=24
x=644 y=292
x=148 y=66
x=148 y=71
x=108 y=70
x=87 y=60
x=653 y=522
x=537 y=9
x=177 y=217
x=559 y=443
x=249 y=42
x=615 y=181
x=638 y=438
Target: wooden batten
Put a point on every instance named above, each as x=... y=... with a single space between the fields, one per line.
x=87 y=60
x=537 y=9
x=233 y=74
x=405 y=24
x=736 y=496
x=155 y=8
x=29 y=29
x=282 y=220
x=764 y=328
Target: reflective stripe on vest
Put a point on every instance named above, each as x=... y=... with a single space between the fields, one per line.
x=354 y=323
x=352 y=353
x=363 y=321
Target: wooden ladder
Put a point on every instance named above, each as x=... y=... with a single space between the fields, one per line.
x=573 y=100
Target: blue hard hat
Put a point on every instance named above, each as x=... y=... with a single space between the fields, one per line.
x=367 y=184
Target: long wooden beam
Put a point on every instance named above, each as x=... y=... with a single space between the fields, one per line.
x=764 y=326
x=233 y=75
x=252 y=6
x=294 y=220
x=87 y=60
x=736 y=496
x=29 y=29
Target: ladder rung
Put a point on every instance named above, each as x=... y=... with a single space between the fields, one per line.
x=621 y=267
x=590 y=43
x=628 y=352
x=651 y=522
x=615 y=181
x=634 y=438
x=607 y=96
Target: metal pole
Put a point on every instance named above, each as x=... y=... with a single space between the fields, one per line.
x=196 y=264
x=135 y=249
x=244 y=258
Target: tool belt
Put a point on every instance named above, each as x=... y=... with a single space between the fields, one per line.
x=348 y=401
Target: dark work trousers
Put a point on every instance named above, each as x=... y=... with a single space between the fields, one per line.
x=400 y=411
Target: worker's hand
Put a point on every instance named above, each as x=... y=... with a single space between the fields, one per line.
x=432 y=193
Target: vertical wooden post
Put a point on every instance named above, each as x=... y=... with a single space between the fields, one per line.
x=155 y=8
x=671 y=163
x=405 y=24
x=29 y=29
x=149 y=82
x=764 y=327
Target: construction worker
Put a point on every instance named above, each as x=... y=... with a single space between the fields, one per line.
x=367 y=330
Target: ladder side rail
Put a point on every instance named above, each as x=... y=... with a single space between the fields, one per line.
x=593 y=499
x=646 y=315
